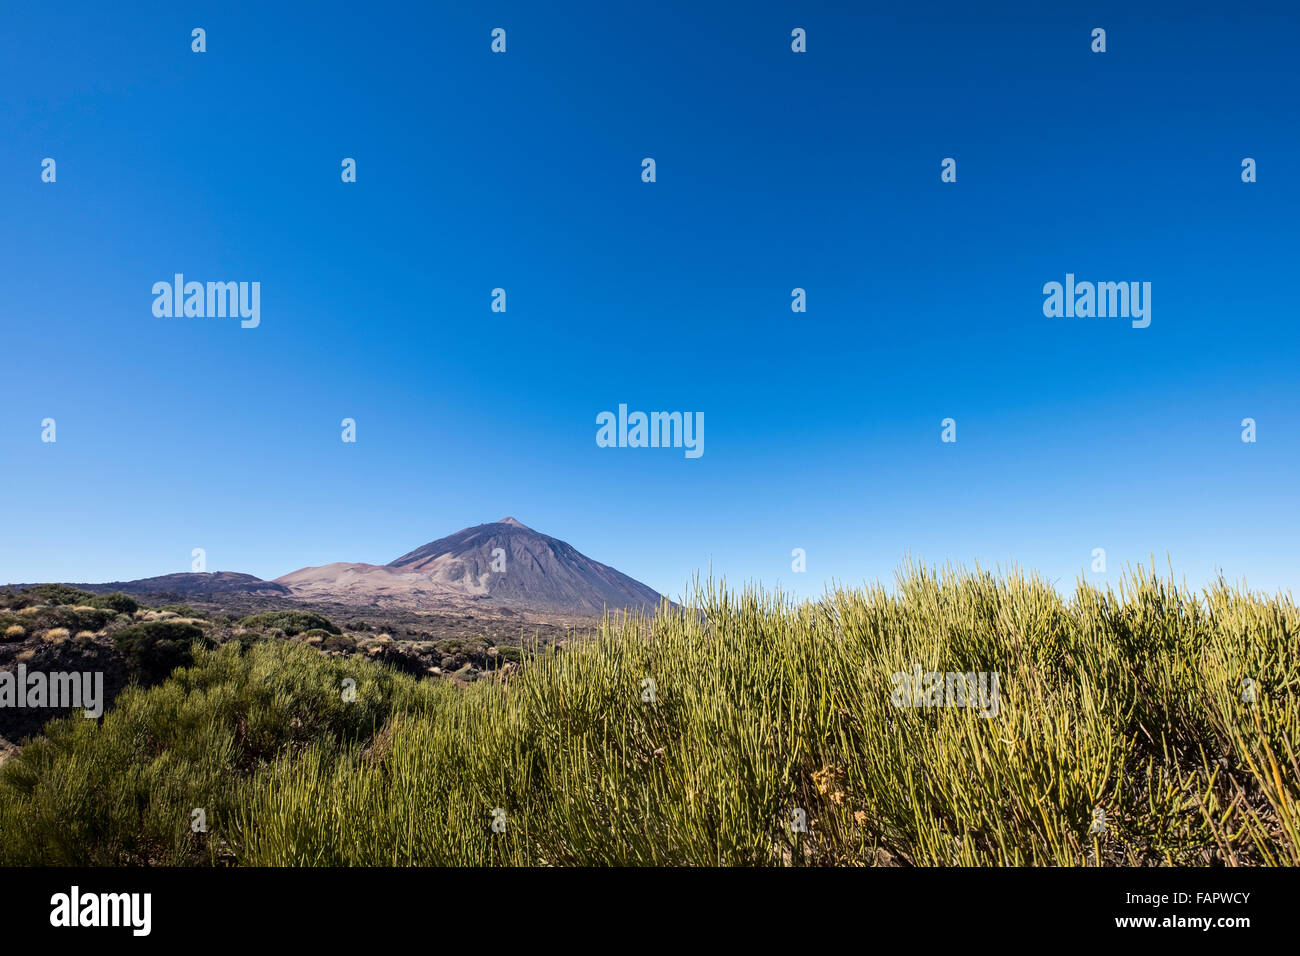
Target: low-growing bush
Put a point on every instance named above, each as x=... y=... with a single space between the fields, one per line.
x=247 y=639
x=59 y=594
x=88 y=618
x=182 y=610
x=154 y=649
x=290 y=622
x=340 y=642
x=120 y=791
x=117 y=602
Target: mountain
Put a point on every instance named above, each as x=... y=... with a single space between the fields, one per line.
x=208 y=586
x=501 y=568
x=504 y=564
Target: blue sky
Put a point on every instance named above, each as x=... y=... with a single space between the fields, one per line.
x=775 y=170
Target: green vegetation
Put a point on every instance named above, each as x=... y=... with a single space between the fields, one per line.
x=57 y=594
x=122 y=791
x=1136 y=701
x=59 y=605
x=340 y=642
x=154 y=650
x=456 y=652
x=182 y=610
x=66 y=594
x=117 y=601
x=290 y=622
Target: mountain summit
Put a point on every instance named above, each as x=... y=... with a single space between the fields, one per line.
x=504 y=564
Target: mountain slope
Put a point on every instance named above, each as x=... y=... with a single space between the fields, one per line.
x=206 y=586
x=501 y=564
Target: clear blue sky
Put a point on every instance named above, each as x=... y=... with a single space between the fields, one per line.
x=775 y=171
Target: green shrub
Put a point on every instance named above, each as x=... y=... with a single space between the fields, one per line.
x=182 y=610
x=153 y=650
x=247 y=639
x=117 y=601
x=120 y=791
x=290 y=622
x=340 y=642
x=59 y=594
x=89 y=618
